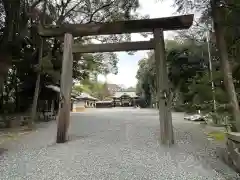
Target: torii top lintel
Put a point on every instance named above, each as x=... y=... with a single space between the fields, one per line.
x=118 y=27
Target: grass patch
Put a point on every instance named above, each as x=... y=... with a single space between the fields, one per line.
x=7 y=137
x=217 y=135
x=12 y=136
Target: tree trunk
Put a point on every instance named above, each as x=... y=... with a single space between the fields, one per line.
x=227 y=72
x=1 y=93
x=11 y=29
x=37 y=86
x=16 y=92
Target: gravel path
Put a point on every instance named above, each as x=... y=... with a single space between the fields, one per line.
x=115 y=144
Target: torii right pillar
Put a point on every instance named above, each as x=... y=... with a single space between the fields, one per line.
x=163 y=91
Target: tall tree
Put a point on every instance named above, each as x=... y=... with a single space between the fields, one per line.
x=218 y=13
x=221 y=13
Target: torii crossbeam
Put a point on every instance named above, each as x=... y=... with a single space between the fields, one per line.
x=118 y=27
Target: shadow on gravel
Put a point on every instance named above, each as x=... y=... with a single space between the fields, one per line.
x=2 y=150
x=73 y=137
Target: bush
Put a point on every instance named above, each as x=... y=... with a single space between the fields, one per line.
x=179 y=108
x=189 y=108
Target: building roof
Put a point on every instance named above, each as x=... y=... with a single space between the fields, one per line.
x=112 y=88
x=130 y=89
x=124 y=93
x=54 y=88
x=104 y=102
x=58 y=90
x=86 y=96
x=74 y=94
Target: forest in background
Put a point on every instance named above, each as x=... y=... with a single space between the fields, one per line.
x=21 y=46
x=188 y=65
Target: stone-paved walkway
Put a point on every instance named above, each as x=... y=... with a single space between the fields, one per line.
x=114 y=144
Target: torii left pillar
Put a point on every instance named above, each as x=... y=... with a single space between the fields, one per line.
x=163 y=91
x=66 y=88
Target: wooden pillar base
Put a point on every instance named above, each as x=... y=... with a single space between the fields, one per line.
x=61 y=136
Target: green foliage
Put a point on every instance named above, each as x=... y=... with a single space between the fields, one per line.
x=197 y=89
x=96 y=89
x=81 y=88
x=147 y=79
x=186 y=66
x=19 y=42
x=187 y=63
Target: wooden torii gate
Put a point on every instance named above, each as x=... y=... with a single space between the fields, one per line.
x=157 y=26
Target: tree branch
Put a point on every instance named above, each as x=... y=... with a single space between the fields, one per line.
x=63 y=16
x=35 y=4
x=64 y=6
x=98 y=9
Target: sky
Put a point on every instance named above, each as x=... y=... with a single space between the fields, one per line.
x=128 y=64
